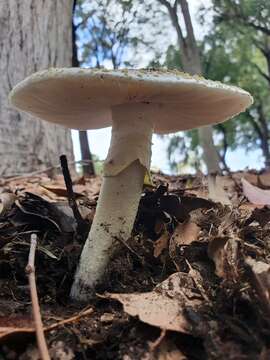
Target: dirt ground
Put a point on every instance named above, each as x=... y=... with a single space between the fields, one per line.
x=193 y=282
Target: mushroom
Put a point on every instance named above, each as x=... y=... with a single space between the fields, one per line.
x=135 y=103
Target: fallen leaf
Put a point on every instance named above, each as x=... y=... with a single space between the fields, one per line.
x=198 y=280
x=15 y=326
x=191 y=203
x=156 y=207
x=262 y=180
x=20 y=326
x=216 y=190
x=224 y=252
x=107 y=318
x=61 y=191
x=254 y=194
x=161 y=244
x=185 y=233
x=61 y=351
x=262 y=216
x=164 y=306
x=33 y=210
x=58 y=351
x=216 y=253
x=169 y=351
x=261 y=281
x=7 y=199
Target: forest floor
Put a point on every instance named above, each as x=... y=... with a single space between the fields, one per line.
x=192 y=283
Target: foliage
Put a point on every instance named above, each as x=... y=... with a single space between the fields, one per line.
x=103 y=32
x=245 y=28
x=235 y=51
x=117 y=33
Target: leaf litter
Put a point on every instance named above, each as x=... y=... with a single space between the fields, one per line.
x=192 y=283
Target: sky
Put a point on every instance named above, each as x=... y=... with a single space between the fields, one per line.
x=99 y=140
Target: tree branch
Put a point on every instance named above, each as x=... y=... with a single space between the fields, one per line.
x=175 y=21
x=256 y=127
x=262 y=73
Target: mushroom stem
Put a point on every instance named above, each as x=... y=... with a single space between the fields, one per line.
x=124 y=170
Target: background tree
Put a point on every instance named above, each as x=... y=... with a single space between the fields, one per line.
x=250 y=20
x=33 y=36
x=191 y=63
x=230 y=53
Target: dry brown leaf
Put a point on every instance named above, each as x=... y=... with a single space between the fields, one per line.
x=61 y=351
x=254 y=194
x=7 y=199
x=58 y=351
x=254 y=178
x=168 y=351
x=185 y=233
x=264 y=179
x=261 y=280
x=86 y=212
x=161 y=244
x=224 y=252
x=107 y=317
x=198 y=280
x=216 y=190
x=20 y=326
x=61 y=191
x=15 y=326
x=216 y=252
x=164 y=306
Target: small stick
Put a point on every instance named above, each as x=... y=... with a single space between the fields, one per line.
x=8 y=178
x=81 y=224
x=30 y=271
x=72 y=319
x=154 y=344
x=129 y=248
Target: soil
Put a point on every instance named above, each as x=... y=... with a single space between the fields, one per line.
x=224 y=249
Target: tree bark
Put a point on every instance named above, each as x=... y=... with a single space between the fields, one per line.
x=192 y=64
x=88 y=169
x=34 y=35
x=262 y=131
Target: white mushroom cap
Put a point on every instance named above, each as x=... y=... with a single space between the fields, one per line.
x=83 y=98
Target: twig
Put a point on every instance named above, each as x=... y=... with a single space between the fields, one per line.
x=154 y=344
x=30 y=271
x=38 y=172
x=72 y=319
x=69 y=320
x=82 y=225
x=129 y=248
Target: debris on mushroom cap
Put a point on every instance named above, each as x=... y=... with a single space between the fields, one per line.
x=82 y=98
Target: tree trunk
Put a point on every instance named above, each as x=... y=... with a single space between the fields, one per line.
x=264 y=137
x=34 y=35
x=88 y=169
x=266 y=152
x=192 y=64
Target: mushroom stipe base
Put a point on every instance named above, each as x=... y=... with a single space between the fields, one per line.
x=116 y=211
